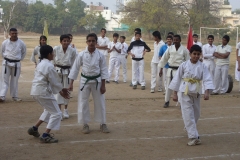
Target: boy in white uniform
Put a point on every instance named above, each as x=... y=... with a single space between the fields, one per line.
x=195 y=40
x=102 y=43
x=70 y=42
x=187 y=82
x=13 y=51
x=222 y=54
x=237 y=70
x=154 y=64
x=64 y=57
x=114 y=48
x=137 y=50
x=123 y=57
x=94 y=73
x=174 y=56
x=45 y=84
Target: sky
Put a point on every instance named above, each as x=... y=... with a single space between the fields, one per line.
x=112 y=3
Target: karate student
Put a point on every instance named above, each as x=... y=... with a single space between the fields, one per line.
x=222 y=55
x=187 y=82
x=64 y=57
x=114 y=48
x=45 y=84
x=123 y=57
x=36 y=51
x=137 y=50
x=174 y=56
x=237 y=70
x=70 y=42
x=208 y=58
x=102 y=43
x=13 y=51
x=161 y=53
x=195 y=40
x=155 y=79
x=94 y=73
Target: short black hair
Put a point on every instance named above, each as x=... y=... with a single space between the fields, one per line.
x=92 y=35
x=115 y=35
x=42 y=37
x=195 y=35
x=45 y=51
x=64 y=36
x=170 y=33
x=103 y=29
x=70 y=35
x=227 y=38
x=210 y=36
x=123 y=37
x=177 y=36
x=13 y=29
x=157 y=34
x=195 y=48
x=169 y=37
x=138 y=33
x=137 y=30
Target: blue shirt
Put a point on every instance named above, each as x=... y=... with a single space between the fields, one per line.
x=161 y=53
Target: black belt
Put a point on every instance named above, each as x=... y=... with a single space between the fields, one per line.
x=137 y=59
x=90 y=78
x=64 y=67
x=173 y=68
x=11 y=61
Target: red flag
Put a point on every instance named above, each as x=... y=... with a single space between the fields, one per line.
x=190 y=38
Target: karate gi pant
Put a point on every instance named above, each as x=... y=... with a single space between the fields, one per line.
x=190 y=107
x=221 y=79
x=114 y=63
x=123 y=63
x=155 y=79
x=99 y=104
x=168 y=81
x=165 y=78
x=52 y=115
x=138 y=65
x=106 y=58
x=211 y=68
x=9 y=76
x=237 y=73
x=65 y=84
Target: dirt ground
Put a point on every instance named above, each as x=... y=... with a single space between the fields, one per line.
x=140 y=127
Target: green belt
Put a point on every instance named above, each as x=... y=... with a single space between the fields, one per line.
x=89 y=78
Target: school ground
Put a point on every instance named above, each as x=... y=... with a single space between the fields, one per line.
x=140 y=127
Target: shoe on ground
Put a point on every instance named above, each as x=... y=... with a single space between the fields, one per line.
x=107 y=82
x=135 y=87
x=32 y=132
x=85 y=129
x=16 y=99
x=65 y=114
x=194 y=141
x=143 y=88
x=104 y=129
x=164 y=93
x=116 y=82
x=160 y=90
x=222 y=93
x=166 y=105
x=2 y=99
x=48 y=139
x=124 y=81
x=131 y=85
x=152 y=91
x=138 y=83
x=214 y=93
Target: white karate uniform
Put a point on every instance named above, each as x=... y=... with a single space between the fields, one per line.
x=174 y=58
x=71 y=45
x=114 y=62
x=46 y=82
x=198 y=43
x=123 y=60
x=63 y=59
x=208 y=58
x=221 y=71
x=154 y=67
x=12 y=50
x=92 y=65
x=190 y=102
x=237 y=73
x=103 y=41
x=36 y=51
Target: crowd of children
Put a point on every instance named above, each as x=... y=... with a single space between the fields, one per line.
x=187 y=73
